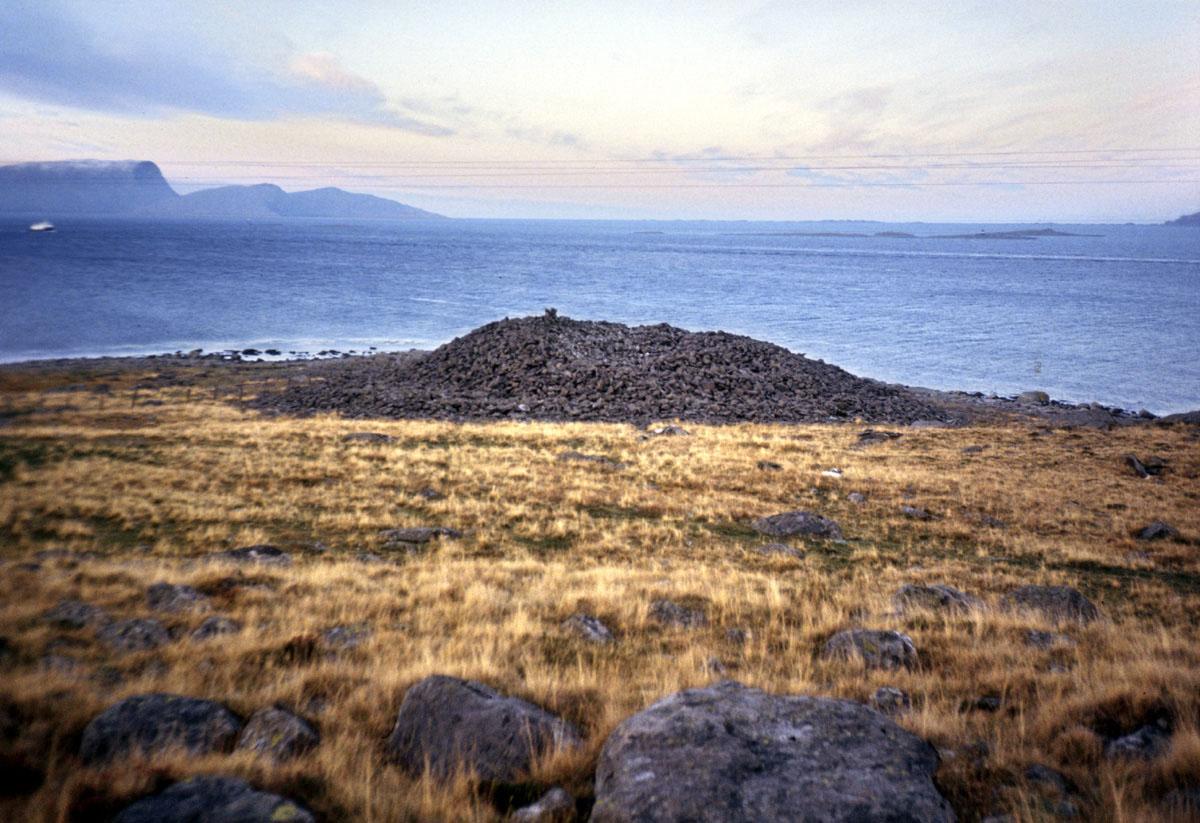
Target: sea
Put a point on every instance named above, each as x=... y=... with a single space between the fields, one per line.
x=1093 y=313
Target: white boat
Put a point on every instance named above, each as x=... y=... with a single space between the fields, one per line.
x=42 y=226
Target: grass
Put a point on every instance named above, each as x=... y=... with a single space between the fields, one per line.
x=137 y=492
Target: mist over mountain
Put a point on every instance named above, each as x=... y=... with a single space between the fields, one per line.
x=138 y=189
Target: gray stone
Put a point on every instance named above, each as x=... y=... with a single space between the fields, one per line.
x=890 y=700
x=417 y=535
x=916 y=513
x=446 y=724
x=134 y=635
x=1158 y=530
x=797 y=523
x=934 y=597
x=670 y=613
x=1047 y=779
x=277 y=733
x=75 y=614
x=730 y=753
x=1057 y=603
x=366 y=437
x=871 y=437
x=1146 y=743
x=261 y=553
x=857 y=498
x=580 y=457
x=769 y=465
x=345 y=637
x=1037 y=398
x=168 y=597
x=157 y=722
x=1046 y=640
x=212 y=799
x=215 y=626
x=555 y=806
x=589 y=628
x=669 y=430
x=875 y=648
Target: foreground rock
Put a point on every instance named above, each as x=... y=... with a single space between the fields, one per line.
x=875 y=648
x=555 y=368
x=729 y=753
x=214 y=800
x=797 y=524
x=277 y=733
x=446 y=724
x=1056 y=603
x=934 y=597
x=152 y=723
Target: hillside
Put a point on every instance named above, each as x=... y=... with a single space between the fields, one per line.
x=267 y=201
x=83 y=187
x=1186 y=220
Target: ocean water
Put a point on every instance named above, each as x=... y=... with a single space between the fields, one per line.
x=1113 y=318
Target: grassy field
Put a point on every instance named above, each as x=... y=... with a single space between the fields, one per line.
x=138 y=491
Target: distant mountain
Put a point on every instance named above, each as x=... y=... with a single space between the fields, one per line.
x=101 y=188
x=269 y=202
x=1186 y=220
x=82 y=187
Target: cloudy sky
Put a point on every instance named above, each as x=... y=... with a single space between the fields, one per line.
x=793 y=110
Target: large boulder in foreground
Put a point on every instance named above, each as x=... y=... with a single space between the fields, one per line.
x=731 y=753
x=797 y=523
x=1055 y=603
x=214 y=800
x=448 y=725
x=151 y=723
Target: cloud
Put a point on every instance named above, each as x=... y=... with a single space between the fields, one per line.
x=48 y=56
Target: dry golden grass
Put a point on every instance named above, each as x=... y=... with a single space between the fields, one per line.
x=150 y=488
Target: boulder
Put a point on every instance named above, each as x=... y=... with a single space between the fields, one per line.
x=934 y=597
x=797 y=524
x=890 y=700
x=780 y=549
x=1158 y=530
x=731 y=753
x=589 y=628
x=1146 y=743
x=916 y=513
x=1036 y=398
x=670 y=613
x=134 y=635
x=215 y=626
x=555 y=806
x=446 y=724
x=417 y=535
x=1056 y=603
x=212 y=799
x=277 y=733
x=871 y=437
x=168 y=597
x=156 y=722
x=875 y=648
x=75 y=614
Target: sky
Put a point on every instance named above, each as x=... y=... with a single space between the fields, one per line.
x=976 y=111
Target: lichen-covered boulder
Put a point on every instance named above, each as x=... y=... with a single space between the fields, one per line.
x=730 y=753
x=797 y=523
x=277 y=733
x=875 y=648
x=446 y=724
x=934 y=597
x=214 y=800
x=155 y=722
x=1056 y=603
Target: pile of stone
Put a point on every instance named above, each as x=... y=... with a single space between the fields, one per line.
x=555 y=368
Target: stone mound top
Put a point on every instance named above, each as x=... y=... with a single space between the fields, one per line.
x=555 y=368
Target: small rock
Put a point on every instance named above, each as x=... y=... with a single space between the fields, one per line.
x=1146 y=743
x=857 y=498
x=802 y=523
x=836 y=474
x=345 y=637
x=915 y=513
x=430 y=493
x=555 y=806
x=973 y=449
x=1037 y=398
x=986 y=703
x=670 y=613
x=215 y=626
x=158 y=722
x=367 y=437
x=737 y=636
x=667 y=431
x=730 y=753
x=418 y=535
x=446 y=724
x=870 y=437
x=890 y=700
x=134 y=635
x=589 y=628
x=75 y=614
x=1158 y=530
x=1047 y=779
x=167 y=597
x=580 y=457
x=1151 y=467
x=935 y=597
x=262 y=553
x=781 y=549
x=277 y=733
x=714 y=666
x=1058 y=603
x=877 y=649
x=769 y=466
x=210 y=799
